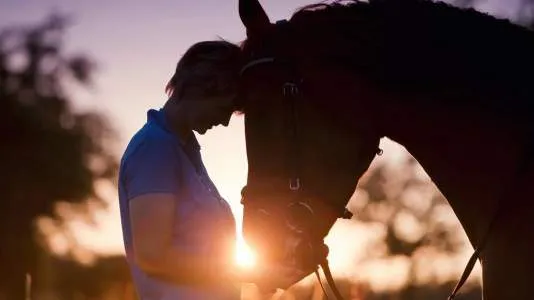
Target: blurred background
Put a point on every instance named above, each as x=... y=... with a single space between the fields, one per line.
x=76 y=81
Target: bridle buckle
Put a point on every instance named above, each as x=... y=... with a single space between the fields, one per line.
x=294 y=184
x=290 y=89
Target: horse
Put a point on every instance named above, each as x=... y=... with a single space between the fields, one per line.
x=450 y=84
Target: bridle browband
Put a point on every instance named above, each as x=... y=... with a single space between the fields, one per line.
x=291 y=91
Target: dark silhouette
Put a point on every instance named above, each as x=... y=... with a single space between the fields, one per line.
x=50 y=152
x=323 y=88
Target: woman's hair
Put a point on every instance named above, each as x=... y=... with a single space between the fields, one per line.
x=208 y=67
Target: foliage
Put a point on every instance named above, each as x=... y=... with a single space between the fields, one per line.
x=50 y=152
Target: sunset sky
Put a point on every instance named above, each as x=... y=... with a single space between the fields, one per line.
x=136 y=45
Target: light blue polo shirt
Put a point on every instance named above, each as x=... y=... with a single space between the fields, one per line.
x=156 y=160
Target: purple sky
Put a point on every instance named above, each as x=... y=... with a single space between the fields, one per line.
x=137 y=43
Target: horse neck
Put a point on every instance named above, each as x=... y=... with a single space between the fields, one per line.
x=470 y=155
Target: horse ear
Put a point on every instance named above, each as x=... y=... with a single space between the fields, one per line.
x=253 y=16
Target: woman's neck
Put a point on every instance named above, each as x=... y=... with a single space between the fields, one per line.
x=175 y=120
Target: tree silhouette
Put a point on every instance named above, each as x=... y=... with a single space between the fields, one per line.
x=50 y=152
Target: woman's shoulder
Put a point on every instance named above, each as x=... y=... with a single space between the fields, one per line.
x=153 y=141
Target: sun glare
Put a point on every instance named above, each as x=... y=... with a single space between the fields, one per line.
x=245 y=257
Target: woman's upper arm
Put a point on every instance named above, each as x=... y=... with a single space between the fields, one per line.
x=151 y=219
x=151 y=180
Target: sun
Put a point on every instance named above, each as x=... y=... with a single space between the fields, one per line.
x=245 y=256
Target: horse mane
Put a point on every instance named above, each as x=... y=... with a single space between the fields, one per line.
x=424 y=46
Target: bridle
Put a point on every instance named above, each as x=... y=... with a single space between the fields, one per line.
x=291 y=91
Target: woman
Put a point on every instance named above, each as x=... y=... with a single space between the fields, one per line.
x=179 y=233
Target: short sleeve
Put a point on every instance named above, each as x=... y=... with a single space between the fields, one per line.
x=152 y=168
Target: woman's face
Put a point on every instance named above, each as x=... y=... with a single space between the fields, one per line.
x=205 y=112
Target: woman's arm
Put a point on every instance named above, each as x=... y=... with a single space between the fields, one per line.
x=152 y=220
x=152 y=178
